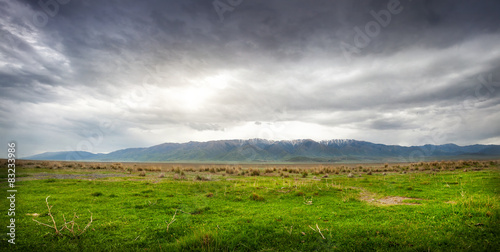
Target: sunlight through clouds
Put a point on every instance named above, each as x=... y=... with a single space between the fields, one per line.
x=171 y=71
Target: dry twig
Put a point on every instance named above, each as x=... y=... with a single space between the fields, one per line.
x=318 y=230
x=50 y=214
x=173 y=219
x=65 y=225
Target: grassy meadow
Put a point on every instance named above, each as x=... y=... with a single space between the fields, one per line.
x=427 y=206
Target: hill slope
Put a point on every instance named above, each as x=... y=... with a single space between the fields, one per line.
x=303 y=150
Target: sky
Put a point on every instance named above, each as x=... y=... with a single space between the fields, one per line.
x=100 y=76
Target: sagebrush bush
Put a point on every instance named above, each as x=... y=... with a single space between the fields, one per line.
x=255 y=173
x=256 y=197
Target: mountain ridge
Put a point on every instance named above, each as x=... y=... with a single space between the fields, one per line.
x=263 y=150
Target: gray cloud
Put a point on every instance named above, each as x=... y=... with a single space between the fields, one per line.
x=106 y=75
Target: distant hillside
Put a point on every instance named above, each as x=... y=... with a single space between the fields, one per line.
x=260 y=150
x=64 y=155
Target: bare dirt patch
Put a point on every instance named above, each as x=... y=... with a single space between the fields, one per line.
x=371 y=197
x=397 y=200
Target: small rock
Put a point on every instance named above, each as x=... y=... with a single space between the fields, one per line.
x=326 y=176
x=465 y=170
x=350 y=175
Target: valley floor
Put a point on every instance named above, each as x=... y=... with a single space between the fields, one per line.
x=435 y=206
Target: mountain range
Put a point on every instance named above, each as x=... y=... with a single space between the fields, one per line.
x=261 y=150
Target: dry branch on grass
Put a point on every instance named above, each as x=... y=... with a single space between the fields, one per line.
x=65 y=225
x=318 y=230
x=173 y=219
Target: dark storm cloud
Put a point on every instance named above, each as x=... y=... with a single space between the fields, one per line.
x=172 y=71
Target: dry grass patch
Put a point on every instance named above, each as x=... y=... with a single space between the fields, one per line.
x=371 y=197
x=397 y=200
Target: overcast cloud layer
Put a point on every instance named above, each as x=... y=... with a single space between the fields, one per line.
x=104 y=75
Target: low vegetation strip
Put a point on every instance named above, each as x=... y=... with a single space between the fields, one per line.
x=207 y=207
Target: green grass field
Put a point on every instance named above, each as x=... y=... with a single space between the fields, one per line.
x=277 y=209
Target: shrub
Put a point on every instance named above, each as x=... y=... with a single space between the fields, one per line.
x=304 y=174
x=176 y=176
x=256 y=197
x=142 y=174
x=116 y=166
x=255 y=173
x=200 y=178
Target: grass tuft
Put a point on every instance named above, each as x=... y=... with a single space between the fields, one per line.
x=256 y=197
